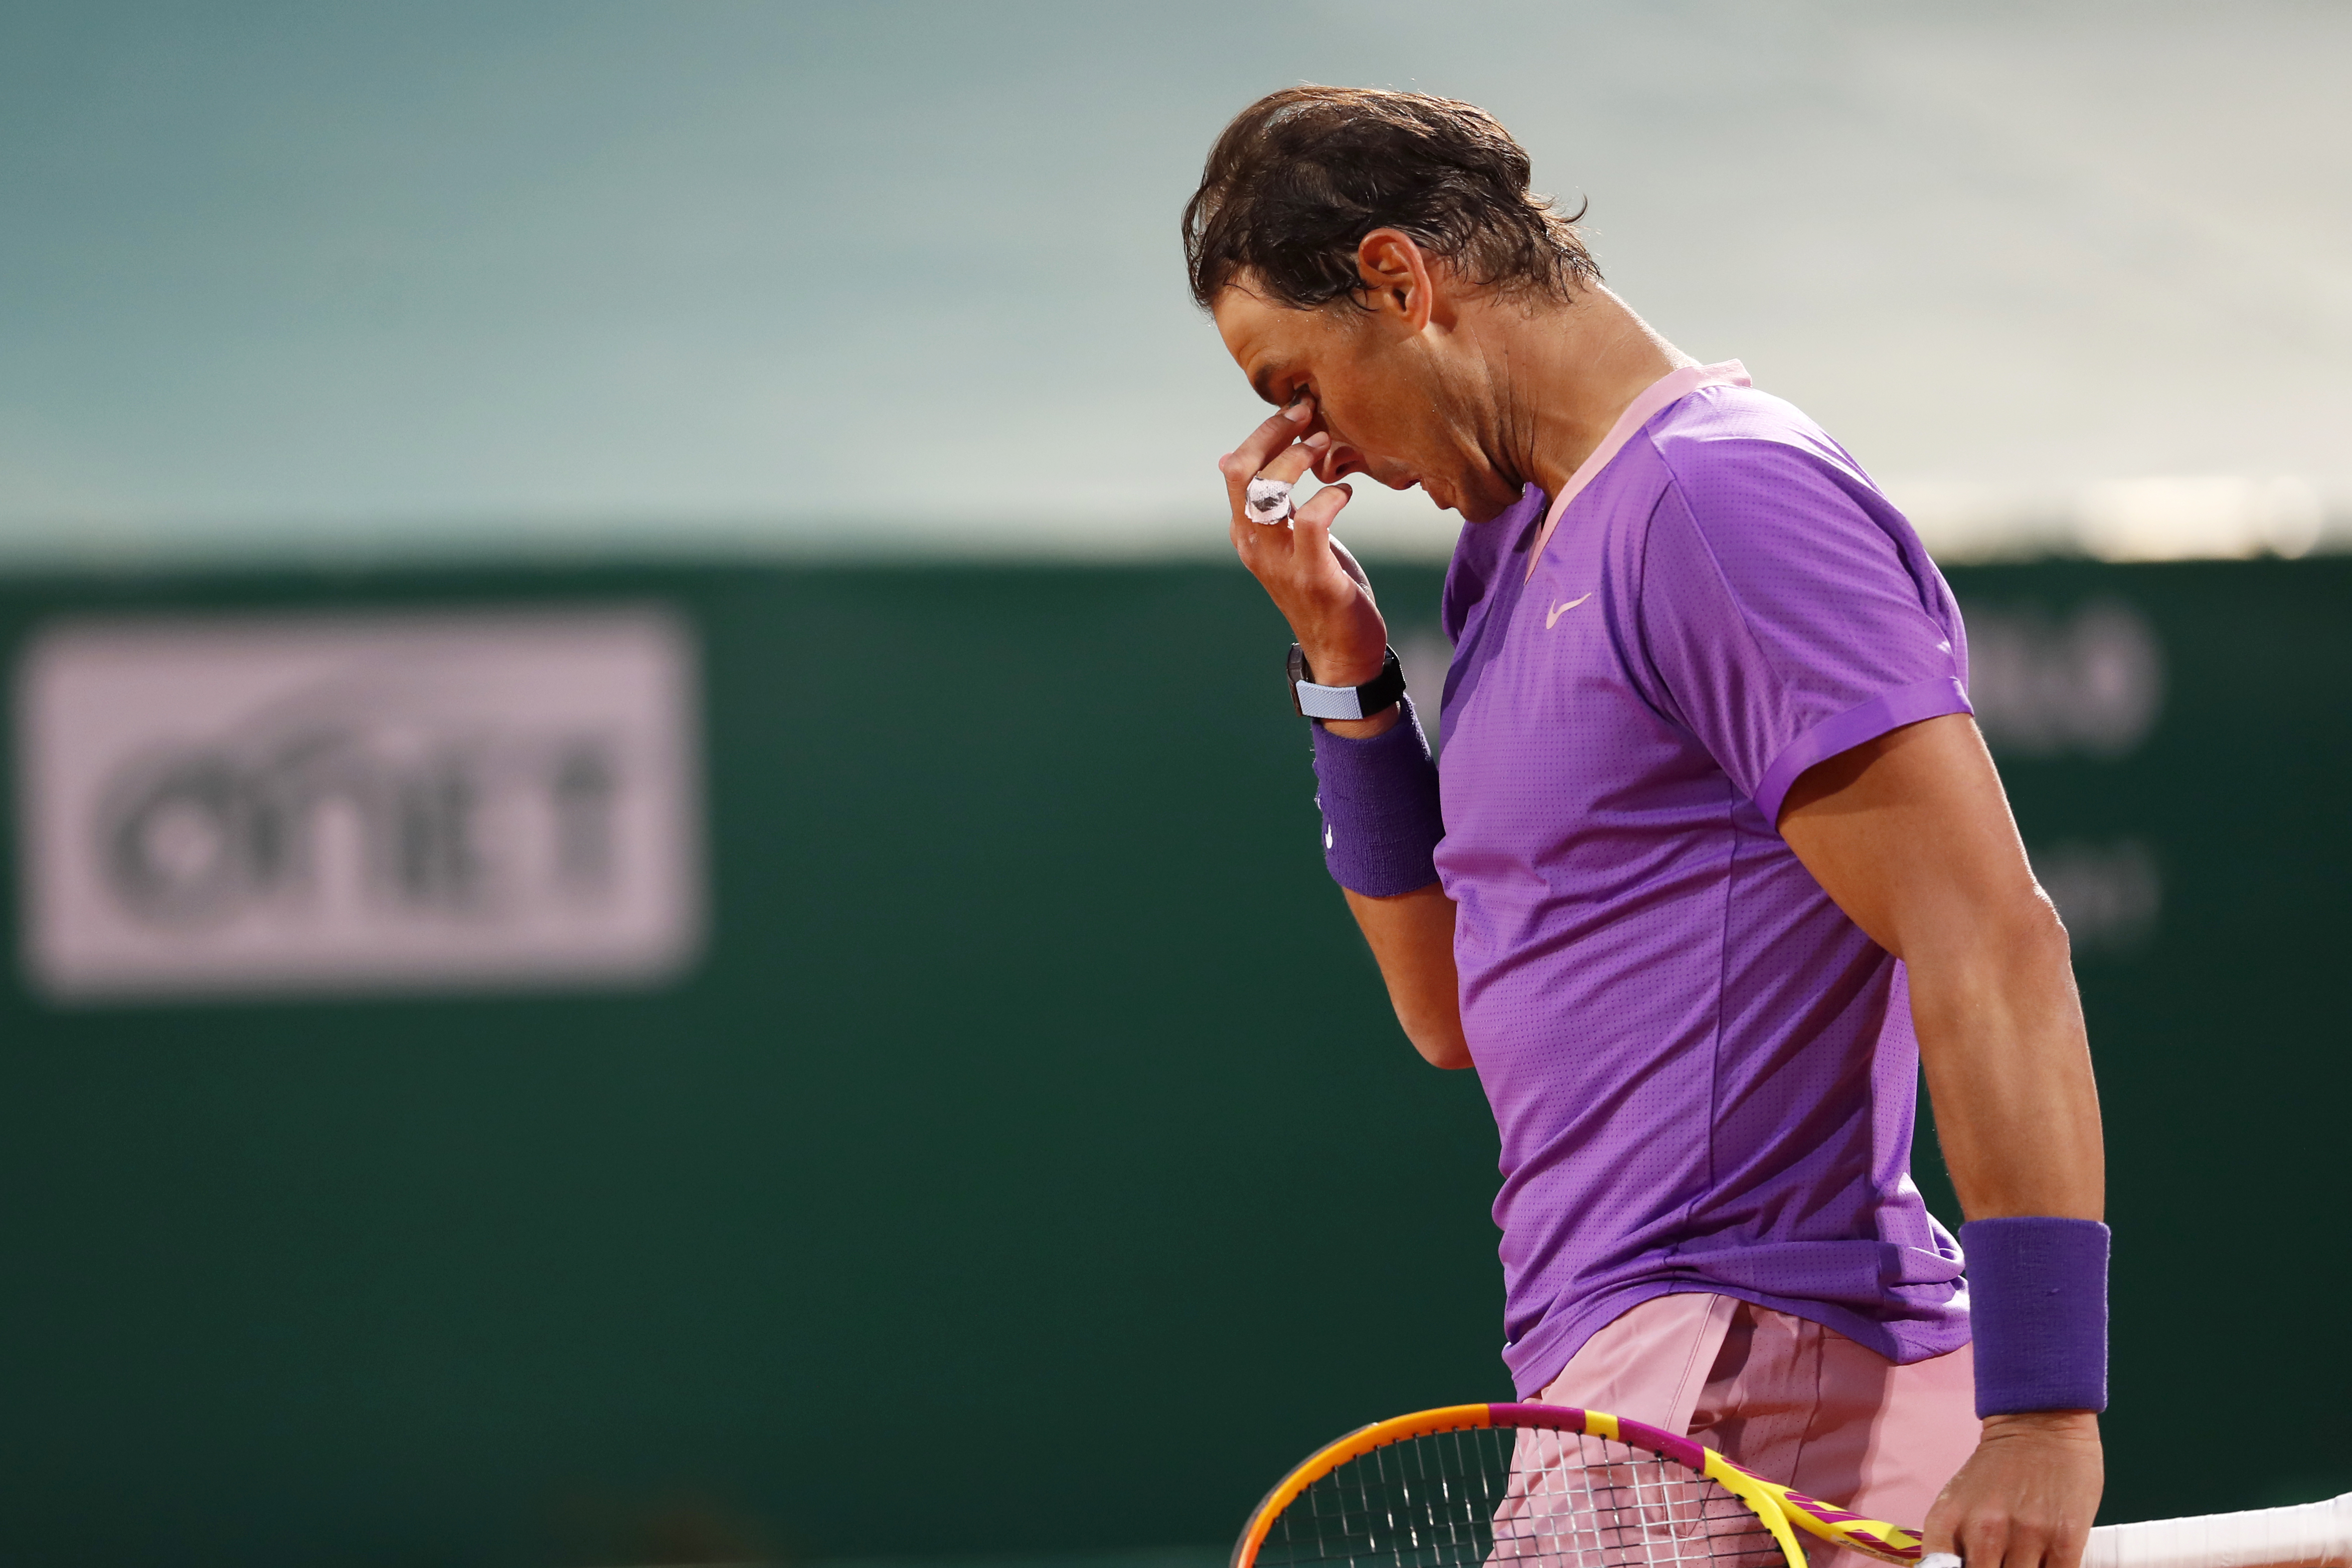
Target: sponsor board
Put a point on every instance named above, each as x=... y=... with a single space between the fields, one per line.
x=327 y=803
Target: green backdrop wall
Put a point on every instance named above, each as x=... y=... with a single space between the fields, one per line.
x=1031 y=1163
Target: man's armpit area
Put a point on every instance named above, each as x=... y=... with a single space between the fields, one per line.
x=1836 y=773
x=1855 y=729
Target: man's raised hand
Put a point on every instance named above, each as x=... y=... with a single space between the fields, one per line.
x=1311 y=578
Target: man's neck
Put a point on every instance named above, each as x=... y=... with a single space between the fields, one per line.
x=1564 y=374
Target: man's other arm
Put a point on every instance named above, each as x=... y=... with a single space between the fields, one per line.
x=1322 y=591
x=1912 y=836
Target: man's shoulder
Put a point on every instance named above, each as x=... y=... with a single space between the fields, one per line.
x=1733 y=455
x=1720 y=433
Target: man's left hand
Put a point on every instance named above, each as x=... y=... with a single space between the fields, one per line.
x=2026 y=1497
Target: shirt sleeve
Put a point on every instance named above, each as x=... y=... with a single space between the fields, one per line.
x=1788 y=613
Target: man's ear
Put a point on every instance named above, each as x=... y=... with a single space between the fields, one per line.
x=1396 y=281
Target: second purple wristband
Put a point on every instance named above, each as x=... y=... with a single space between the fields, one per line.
x=2038 y=1313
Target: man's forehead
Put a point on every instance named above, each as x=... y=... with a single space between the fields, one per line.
x=1243 y=318
x=1266 y=338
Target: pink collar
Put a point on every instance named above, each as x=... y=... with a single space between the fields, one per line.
x=1672 y=387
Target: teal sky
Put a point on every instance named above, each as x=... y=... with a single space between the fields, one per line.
x=315 y=272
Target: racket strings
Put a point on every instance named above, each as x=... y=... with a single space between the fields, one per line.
x=1530 y=1499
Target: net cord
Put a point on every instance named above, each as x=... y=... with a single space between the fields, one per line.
x=2310 y=1535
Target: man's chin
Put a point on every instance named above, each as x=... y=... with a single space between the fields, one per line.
x=1438 y=498
x=1478 y=510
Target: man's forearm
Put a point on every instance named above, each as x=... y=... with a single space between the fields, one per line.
x=1412 y=938
x=2009 y=1069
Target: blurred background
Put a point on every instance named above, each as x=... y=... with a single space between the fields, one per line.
x=610 y=965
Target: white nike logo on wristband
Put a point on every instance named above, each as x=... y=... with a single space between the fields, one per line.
x=1552 y=618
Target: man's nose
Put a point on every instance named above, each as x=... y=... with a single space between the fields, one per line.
x=1338 y=460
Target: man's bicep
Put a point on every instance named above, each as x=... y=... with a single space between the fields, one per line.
x=1910 y=833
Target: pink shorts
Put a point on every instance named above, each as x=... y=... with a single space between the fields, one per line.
x=1793 y=1401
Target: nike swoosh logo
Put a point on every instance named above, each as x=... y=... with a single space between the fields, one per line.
x=1552 y=616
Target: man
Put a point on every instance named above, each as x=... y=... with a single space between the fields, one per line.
x=1716 y=858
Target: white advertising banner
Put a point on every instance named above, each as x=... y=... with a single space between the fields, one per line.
x=321 y=803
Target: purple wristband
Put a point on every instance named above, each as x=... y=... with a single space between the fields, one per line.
x=2038 y=1307
x=1379 y=796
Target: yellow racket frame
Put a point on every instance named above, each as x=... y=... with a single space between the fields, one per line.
x=1778 y=1506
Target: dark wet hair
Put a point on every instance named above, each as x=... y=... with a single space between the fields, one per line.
x=1302 y=175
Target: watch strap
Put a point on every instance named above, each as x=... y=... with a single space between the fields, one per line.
x=1312 y=701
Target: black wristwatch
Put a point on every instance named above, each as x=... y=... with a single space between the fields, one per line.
x=1311 y=701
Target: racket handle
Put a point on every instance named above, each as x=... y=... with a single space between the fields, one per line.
x=2311 y=1535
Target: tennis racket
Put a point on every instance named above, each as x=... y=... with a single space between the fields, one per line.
x=1470 y=1486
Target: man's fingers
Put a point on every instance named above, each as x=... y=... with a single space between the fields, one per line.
x=1296 y=547
x=1310 y=530
x=1257 y=449
x=1994 y=1537
x=1963 y=1527
x=1987 y=1544
x=1290 y=465
x=2042 y=1541
x=1312 y=522
x=1937 y=1537
x=1286 y=467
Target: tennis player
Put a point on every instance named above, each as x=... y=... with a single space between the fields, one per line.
x=1714 y=861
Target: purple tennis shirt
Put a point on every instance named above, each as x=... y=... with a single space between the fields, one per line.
x=1704 y=1074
